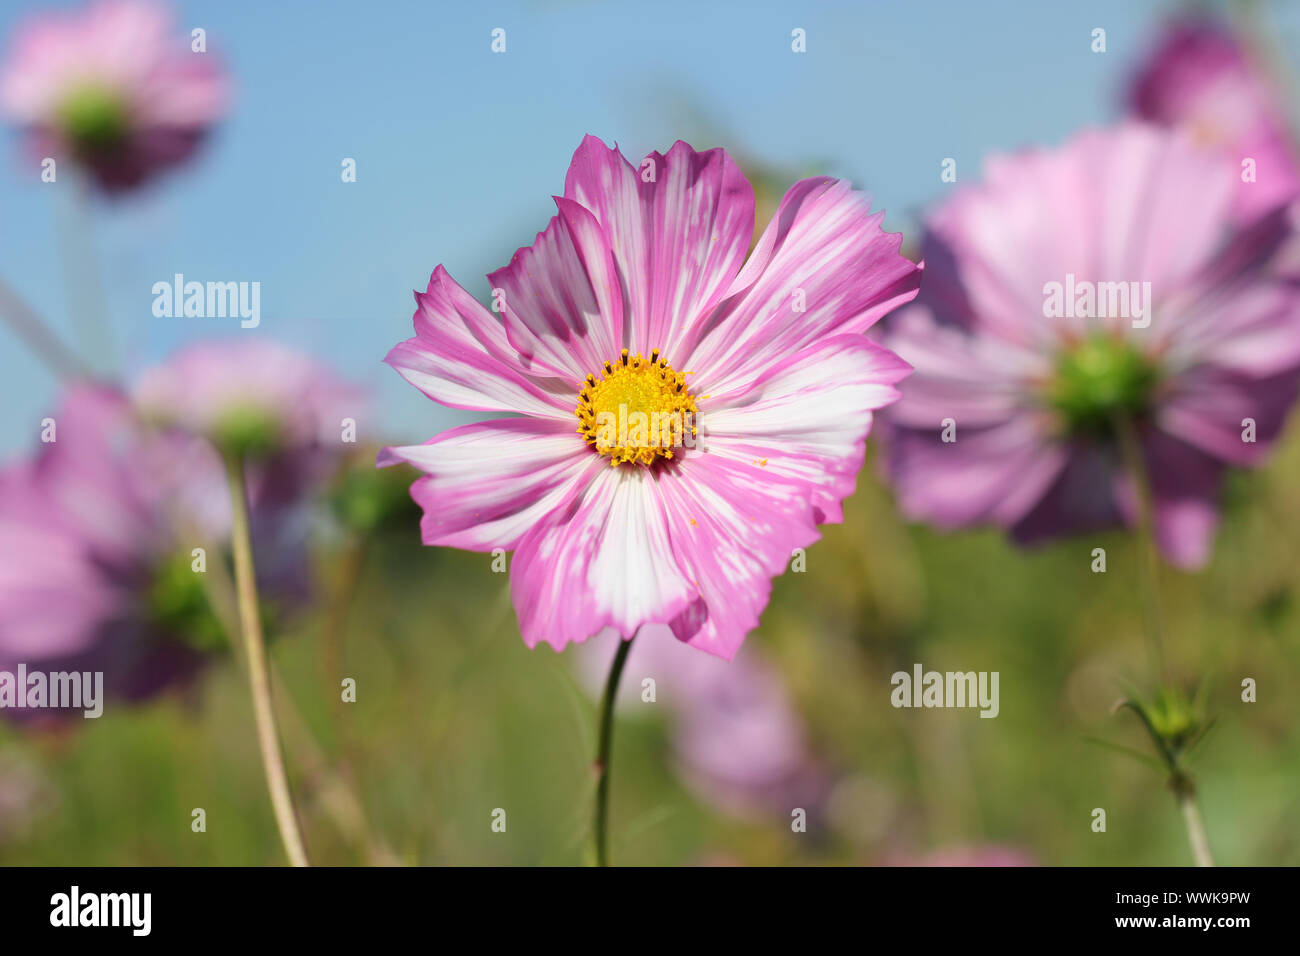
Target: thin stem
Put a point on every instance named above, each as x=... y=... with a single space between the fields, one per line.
x=1196 y=836
x=38 y=335
x=1184 y=791
x=259 y=681
x=84 y=277
x=603 y=752
x=1148 y=562
x=339 y=798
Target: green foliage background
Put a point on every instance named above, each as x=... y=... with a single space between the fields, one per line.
x=455 y=717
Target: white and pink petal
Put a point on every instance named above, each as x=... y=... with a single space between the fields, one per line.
x=806 y=419
x=487 y=485
x=679 y=226
x=460 y=357
x=823 y=267
x=562 y=297
x=606 y=561
x=733 y=529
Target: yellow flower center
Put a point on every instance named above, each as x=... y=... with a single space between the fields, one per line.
x=639 y=410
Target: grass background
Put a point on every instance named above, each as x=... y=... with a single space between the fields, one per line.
x=455 y=718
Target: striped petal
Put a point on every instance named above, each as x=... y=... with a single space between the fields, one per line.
x=561 y=297
x=679 y=227
x=460 y=357
x=607 y=562
x=486 y=485
x=823 y=267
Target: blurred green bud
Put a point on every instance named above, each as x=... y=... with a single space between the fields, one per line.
x=246 y=431
x=1099 y=379
x=93 y=120
x=1173 y=715
x=1175 y=720
x=367 y=498
x=177 y=602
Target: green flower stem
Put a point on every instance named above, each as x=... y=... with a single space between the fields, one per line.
x=259 y=681
x=1181 y=783
x=340 y=799
x=603 y=752
x=1148 y=562
x=1186 y=795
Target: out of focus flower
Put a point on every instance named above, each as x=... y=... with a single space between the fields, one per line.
x=111 y=88
x=741 y=746
x=721 y=412
x=97 y=539
x=289 y=417
x=92 y=576
x=1200 y=76
x=1075 y=297
x=249 y=396
x=738 y=742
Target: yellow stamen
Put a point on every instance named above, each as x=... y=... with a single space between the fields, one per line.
x=638 y=411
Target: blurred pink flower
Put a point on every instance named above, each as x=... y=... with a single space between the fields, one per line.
x=1032 y=391
x=97 y=533
x=92 y=577
x=256 y=396
x=1200 y=76
x=111 y=88
x=633 y=302
x=279 y=408
x=738 y=742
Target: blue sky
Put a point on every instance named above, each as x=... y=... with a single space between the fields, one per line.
x=459 y=150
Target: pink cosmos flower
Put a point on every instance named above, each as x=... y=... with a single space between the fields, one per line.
x=97 y=531
x=687 y=417
x=92 y=576
x=112 y=89
x=289 y=416
x=1034 y=364
x=742 y=747
x=255 y=395
x=1200 y=76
